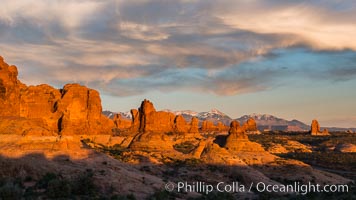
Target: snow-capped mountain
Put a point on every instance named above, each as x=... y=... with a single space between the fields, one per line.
x=183 y=112
x=213 y=115
x=110 y=114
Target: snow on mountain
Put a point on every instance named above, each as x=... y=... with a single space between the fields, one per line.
x=110 y=114
x=126 y=114
x=183 y=112
x=213 y=115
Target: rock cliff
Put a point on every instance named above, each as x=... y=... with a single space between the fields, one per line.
x=44 y=110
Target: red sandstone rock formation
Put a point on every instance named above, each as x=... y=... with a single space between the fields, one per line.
x=180 y=125
x=325 y=131
x=81 y=111
x=315 y=129
x=194 y=125
x=250 y=125
x=152 y=121
x=135 y=124
x=10 y=89
x=74 y=109
x=221 y=127
x=208 y=126
x=237 y=140
x=121 y=123
x=147 y=119
x=236 y=134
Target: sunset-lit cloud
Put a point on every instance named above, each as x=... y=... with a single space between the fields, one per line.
x=110 y=42
x=223 y=48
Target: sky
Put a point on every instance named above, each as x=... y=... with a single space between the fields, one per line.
x=291 y=59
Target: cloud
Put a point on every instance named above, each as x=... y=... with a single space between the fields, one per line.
x=319 y=24
x=131 y=47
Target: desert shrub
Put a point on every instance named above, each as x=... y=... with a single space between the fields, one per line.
x=177 y=163
x=333 y=160
x=10 y=191
x=84 y=184
x=184 y=147
x=43 y=182
x=58 y=189
x=145 y=169
x=212 y=168
x=192 y=161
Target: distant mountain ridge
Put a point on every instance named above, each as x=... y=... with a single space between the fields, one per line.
x=270 y=122
x=265 y=122
x=213 y=115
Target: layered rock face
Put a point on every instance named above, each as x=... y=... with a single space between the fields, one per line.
x=10 y=89
x=153 y=121
x=315 y=129
x=74 y=109
x=81 y=111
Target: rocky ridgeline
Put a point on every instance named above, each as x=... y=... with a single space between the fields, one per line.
x=44 y=110
x=147 y=119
